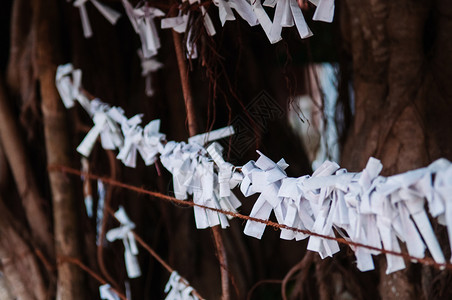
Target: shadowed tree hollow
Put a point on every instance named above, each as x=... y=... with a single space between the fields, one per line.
x=392 y=101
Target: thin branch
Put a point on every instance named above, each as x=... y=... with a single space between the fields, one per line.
x=303 y=265
x=103 y=229
x=91 y=272
x=193 y=130
x=185 y=82
x=261 y=282
x=423 y=260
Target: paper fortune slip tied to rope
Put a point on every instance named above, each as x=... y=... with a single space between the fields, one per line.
x=375 y=213
x=110 y=14
x=365 y=207
x=324 y=11
x=287 y=14
x=177 y=288
x=194 y=174
x=242 y=7
x=107 y=293
x=124 y=233
x=142 y=19
x=192 y=169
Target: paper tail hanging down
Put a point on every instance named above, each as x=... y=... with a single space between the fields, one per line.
x=107 y=293
x=192 y=169
x=366 y=208
x=363 y=207
x=110 y=14
x=179 y=289
x=124 y=233
x=287 y=14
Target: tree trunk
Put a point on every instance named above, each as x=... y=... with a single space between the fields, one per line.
x=66 y=226
x=401 y=102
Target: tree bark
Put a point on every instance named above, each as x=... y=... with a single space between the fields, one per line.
x=23 y=175
x=66 y=227
x=18 y=261
x=397 y=103
x=193 y=130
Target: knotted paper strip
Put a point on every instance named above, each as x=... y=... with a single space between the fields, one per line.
x=364 y=207
x=106 y=293
x=142 y=20
x=110 y=14
x=178 y=288
x=242 y=7
x=287 y=14
x=324 y=11
x=124 y=232
x=148 y=66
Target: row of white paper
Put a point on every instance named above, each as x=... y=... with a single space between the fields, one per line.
x=287 y=14
x=363 y=207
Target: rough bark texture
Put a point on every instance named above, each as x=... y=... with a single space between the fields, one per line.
x=66 y=226
x=23 y=175
x=18 y=261
x=401 y=111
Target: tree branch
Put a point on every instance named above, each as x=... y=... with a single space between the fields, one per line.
x=193 y=130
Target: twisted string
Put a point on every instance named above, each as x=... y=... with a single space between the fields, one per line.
x=423 y=260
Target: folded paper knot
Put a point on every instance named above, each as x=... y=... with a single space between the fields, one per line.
x=110 y=14
x=194 y=174
x=133 y=137
x=124 y=232
x=320 y=198
x=142 y=20
x=242 y=7
x=224 y=181
x=287 y=14
x=178 y=288
x=107 y=293
x=148 y=66
x=324 y=11
x=179 y=24
x=205 y=193
x=363 y=207
x=70 y=88
x=106 y=127
x=227 y=177
x=264 y=20
x=294 y=211
x=438 y=197
x=263 y=176
x=150 y=144
x=180 y=160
